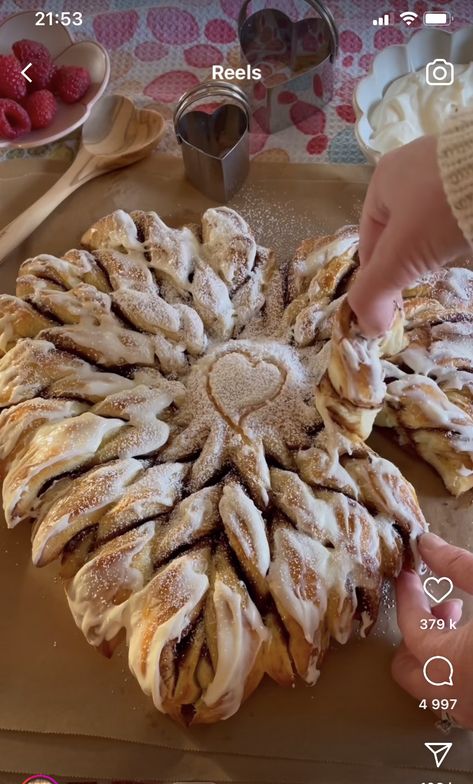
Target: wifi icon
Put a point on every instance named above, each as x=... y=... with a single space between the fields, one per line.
x=408 y=17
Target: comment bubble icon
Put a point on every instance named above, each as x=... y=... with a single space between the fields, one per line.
x=438 y=671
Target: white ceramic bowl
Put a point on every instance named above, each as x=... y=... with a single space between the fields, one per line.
x=424 y=46
x=64 y=51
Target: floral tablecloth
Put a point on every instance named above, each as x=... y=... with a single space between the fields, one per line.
x=158 y=50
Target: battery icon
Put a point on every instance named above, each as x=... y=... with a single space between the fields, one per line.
x=432 y=18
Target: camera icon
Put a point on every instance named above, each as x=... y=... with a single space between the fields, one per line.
x=439 y=72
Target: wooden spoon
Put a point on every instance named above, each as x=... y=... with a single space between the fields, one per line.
x=115 y=135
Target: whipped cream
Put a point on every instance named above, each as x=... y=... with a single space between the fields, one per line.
x=411 y=108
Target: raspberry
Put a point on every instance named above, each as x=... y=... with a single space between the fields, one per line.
x=25 y=50
x=71 y=83
x=41 y=107
x=42 y=67
x=12 y=82
x=14 y=120
x=40 y=73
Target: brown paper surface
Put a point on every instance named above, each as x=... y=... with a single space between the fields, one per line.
x=67 y=711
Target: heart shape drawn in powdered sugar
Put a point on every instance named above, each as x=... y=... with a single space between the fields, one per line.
x=240 y=384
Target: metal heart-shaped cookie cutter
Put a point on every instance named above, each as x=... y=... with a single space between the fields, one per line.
x=215 y=147
x=296 y=59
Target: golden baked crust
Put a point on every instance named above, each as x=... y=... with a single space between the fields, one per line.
x=197 y=466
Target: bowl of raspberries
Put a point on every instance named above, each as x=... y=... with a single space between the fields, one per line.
x=48 y=83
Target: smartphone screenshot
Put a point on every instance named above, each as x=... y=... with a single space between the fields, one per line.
x=236 y=391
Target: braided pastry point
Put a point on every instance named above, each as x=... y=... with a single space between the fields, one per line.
x=18 y=320
x=352 y=390
x=161 y=429
x=430 y=422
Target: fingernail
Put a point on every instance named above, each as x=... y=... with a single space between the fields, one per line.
x=429 y=542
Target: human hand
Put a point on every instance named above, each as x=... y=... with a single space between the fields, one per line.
x=407 y=228
x=420 y=645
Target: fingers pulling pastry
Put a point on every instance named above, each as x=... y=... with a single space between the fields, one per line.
x=351 y=392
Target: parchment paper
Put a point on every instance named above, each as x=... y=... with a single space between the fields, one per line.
x=67 y=711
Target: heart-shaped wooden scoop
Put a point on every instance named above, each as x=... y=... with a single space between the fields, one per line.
x=115 y=135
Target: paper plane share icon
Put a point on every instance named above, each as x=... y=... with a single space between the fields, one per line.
x=439 y=750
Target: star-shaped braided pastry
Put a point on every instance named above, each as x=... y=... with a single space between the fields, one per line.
x=183 y=421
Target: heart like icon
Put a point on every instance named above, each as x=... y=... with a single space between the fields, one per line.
x=443 y=587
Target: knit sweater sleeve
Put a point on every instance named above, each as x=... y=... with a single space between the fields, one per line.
x=455 y=157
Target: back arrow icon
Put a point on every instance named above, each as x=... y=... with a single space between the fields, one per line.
x=23 y=73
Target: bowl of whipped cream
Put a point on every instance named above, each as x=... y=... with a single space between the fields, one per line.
x=413 y=88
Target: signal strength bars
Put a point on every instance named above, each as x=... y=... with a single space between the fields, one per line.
x=382 y=20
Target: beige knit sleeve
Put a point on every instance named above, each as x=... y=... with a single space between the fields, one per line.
x=455 y=156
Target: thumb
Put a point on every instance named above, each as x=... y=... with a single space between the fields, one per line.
x=378 y=285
